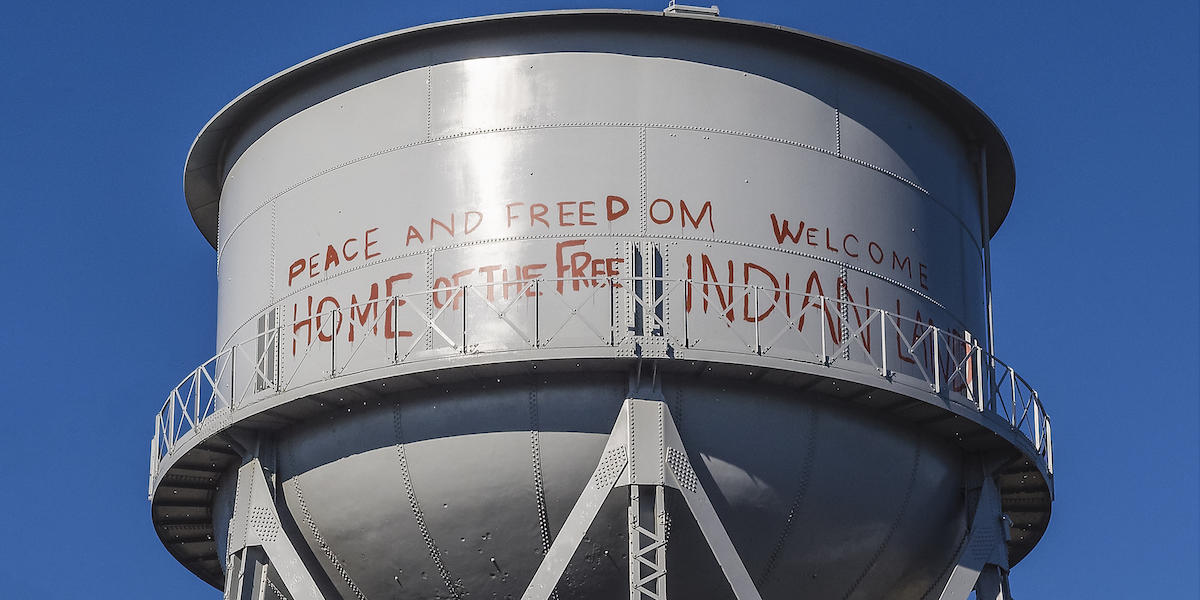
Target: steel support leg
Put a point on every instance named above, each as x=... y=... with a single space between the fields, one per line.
x=234 y=574
x=613 y=464
x=992 y=584
x=644 y=452
x=248 y=581
x=982 y=564
x=261 y=555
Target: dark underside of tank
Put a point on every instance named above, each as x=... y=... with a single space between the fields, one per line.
x=430 y=486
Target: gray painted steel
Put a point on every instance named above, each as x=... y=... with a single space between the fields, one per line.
x=730 y=42
x=788 y=228
x=805 y=486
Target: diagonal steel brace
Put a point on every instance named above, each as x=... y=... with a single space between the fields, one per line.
x=982 y=563
x=644 y=449
x=255 y=528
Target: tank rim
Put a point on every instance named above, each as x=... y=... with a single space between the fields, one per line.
x=204 y=166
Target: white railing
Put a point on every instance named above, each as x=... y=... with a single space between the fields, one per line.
x=651 y=317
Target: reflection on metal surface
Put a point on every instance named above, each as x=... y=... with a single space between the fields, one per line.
x=503 y=228
x=515 y=320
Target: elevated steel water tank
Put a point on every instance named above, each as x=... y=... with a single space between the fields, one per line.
x=553 y=303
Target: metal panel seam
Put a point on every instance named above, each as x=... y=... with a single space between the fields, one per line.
x=912 y=477
x=802 y=480
x=316 y=533
x=452 y=587
x=665 y=126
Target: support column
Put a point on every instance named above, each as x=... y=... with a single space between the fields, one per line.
x=992 y=584
x=645 y=453
x=249 y=580
x=261 y=556
x=982 y=563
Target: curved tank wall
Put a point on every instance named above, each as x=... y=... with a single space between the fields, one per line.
x=822 y=499
x=812 y=178
x=572 y=194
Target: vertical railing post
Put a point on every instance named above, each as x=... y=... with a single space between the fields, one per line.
x=537 y=313
x=200 y=374
x=883 y=341
x=1049 y=447
x=821 y=320
x=197 y=390
x=612 y=314
x=1012 y=385
x=333 y=330
x=757 y=318
x=978 y=361
x=937 y=362
x=395 y=333
x=1037 y=423
x=463 y=291
x=171 y=417
x=196 y=408
x=687 y=309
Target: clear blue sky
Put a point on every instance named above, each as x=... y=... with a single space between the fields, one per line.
x=109 y=292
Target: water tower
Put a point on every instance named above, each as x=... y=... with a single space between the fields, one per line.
x=601 y=304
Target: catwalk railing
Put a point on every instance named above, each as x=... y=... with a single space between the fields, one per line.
x=568 y=318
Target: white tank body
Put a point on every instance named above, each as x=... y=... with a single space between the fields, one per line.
x=447 y=256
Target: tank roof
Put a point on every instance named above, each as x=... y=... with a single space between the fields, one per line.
x=213 y=149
